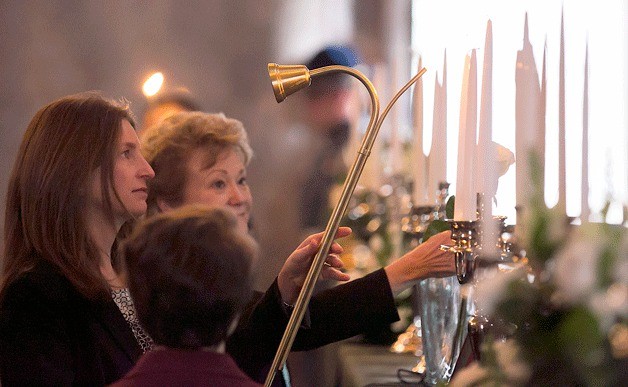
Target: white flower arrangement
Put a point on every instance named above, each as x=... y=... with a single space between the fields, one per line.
x=569 y=304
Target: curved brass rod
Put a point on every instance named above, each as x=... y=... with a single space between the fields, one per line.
x=399 y=94
x=332 y=226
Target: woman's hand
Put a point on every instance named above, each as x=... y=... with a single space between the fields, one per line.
x=424 y=261
x=295 y=269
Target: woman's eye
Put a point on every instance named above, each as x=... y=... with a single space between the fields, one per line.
x=126 y=154
x=242 y=181
x=218 y=184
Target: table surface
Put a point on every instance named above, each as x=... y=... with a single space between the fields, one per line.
x=373 y=365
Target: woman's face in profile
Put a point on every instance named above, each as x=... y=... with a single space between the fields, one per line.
x=222 y=185
x=130 y=174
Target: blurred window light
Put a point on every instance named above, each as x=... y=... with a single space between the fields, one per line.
x=460 y=25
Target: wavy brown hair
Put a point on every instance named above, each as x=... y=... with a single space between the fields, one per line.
x=65 y=142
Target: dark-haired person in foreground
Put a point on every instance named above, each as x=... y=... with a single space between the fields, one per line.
x=189 y=271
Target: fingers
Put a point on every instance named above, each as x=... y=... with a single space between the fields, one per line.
x=312 y=247
x=342 y=232
x=331 y=269
x=334 y=261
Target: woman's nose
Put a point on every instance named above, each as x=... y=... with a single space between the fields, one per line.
x=146 y=171
x=236 y=196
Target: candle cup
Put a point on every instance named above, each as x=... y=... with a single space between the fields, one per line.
x=494 y=244
x=465 y=236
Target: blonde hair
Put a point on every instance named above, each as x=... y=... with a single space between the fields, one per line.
x=168 y=146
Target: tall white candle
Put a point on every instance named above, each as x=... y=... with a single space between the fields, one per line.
x=437 y=161
x=584 y=213
x=465 y=208
x=419 y=192
x=528 y=118
x=486 y=168
x=486 y=182
x=562 y=180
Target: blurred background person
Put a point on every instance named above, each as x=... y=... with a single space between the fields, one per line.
x=316 y=164
x=329 y=109
x=189 y=273
x=166 y=103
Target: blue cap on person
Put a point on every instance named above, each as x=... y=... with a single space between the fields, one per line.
x=339 y=55
x=329 y=83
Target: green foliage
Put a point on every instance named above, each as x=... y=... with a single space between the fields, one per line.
x=610 y=255
x=439 y=225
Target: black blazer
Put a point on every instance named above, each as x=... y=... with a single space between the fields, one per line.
x=363 y=305
x=51 y=335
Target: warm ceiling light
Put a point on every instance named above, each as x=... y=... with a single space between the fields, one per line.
x=153 y=84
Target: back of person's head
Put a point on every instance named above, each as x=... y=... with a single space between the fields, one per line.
x=336 y=55
x=66 y=142
x=168 y=146
x=188 y=272
x=167 y=103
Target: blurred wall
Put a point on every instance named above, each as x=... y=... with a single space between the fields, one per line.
x=218 y=49
x=48 y=49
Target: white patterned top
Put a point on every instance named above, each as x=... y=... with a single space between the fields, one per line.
x=123 y=299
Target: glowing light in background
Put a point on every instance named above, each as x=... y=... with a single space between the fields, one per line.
x=153 y=84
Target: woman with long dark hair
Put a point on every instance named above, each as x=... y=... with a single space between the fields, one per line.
x=78 y=177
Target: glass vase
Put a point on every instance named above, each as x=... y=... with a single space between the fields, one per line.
x=443 y=325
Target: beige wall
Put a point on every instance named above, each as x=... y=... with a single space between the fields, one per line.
x=218 y=49
x=48 y=49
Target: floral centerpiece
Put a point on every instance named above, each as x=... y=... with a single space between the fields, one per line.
x=568 y=301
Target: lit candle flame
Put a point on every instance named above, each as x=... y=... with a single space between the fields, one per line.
x=153 y=84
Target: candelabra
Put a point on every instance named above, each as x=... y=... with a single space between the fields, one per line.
x=476 y=247
x=465 y=236
x=479 y=245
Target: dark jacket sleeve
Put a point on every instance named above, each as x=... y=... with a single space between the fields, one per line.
x=364 y=304
x=256 y=339
x=335 y=314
